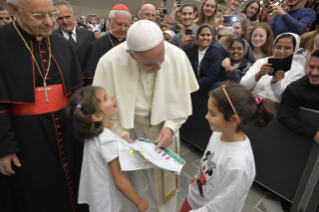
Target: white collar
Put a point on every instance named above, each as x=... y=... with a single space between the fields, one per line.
x=203 y=52
x=73 y=31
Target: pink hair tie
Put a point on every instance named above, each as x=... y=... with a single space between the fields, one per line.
x=258 y=100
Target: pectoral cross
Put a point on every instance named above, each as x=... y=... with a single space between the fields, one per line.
x=45 y=89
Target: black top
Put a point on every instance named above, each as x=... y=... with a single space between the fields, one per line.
x=97 y=49
x=19 y=74
x=298 y=94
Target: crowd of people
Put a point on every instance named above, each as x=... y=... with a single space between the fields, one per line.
x=71 y=91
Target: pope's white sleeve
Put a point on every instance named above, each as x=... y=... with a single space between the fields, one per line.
x=232 y=192
x=175 y=124
x=117 y=128
x=248 y=80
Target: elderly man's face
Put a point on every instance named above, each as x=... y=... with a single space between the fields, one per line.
x=119 y=26
x=40 y=25
x=313 y=71
x=5 y=18
x=66 y=19
x=148 y=12
x=150 y=60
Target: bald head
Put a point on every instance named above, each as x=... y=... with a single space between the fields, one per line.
x=147 y=12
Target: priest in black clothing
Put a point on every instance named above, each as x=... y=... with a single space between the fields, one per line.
x=38 y=73
x=302 y=93
x=120 y=21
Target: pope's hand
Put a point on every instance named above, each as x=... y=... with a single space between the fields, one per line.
x=5 y=164
x=165 y=138
x=128 y=139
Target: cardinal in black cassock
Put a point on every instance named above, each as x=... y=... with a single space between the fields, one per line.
x=104 y=44
x=32 y=123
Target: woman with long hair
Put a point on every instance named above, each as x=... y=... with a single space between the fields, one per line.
x=207 y=13
x=239 y=31
x=231 y=9
x=251 y=11
x=261 y=41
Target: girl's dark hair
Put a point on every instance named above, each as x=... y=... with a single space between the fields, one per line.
x=245 y=104
x=80 y=119
x=286 y=36
x=254 y=18
x=237 y=40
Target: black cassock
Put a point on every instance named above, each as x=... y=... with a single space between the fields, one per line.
x=97 y=49
x=50 y=157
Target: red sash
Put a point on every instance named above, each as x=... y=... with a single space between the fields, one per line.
x=57 y=101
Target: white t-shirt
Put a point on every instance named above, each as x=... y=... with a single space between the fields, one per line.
x=97 y=187
x=226 y=173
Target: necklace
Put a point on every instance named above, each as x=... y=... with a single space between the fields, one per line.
x=111 y=39
x=45 y=89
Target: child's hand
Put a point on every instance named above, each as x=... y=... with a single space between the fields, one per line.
x=143 y=205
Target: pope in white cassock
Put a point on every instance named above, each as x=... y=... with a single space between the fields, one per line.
x=152 y=81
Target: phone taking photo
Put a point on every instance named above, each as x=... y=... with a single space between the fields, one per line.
x=266 y=3
x=164 y=11
x=188 y=32
x=178 y=2
x=226 y=31
x=229 y=19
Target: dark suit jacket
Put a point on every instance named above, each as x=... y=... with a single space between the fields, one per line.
x=84 y=38
x=210 y=70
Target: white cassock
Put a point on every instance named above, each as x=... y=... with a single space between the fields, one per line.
x=147 y=102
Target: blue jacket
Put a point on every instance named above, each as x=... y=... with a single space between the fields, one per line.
x=243 y=68
x=210 y=69
x=296 y=21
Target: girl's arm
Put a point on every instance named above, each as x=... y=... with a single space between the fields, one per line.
x=125 y=186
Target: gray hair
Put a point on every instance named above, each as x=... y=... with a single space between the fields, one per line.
x=16 y=4
x=59 y=2
x=119 y=12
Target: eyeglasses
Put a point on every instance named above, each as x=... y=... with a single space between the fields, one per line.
x=148 y=15
x=41 y=17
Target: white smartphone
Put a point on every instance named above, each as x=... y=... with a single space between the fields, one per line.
x=226 y=31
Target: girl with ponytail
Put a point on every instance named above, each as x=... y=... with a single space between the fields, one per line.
x=227 y=168
x=89 y=112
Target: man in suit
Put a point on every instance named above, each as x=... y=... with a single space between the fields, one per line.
x=79 y=38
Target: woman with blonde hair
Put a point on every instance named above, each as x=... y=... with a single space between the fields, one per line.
x=207 y=13
x=261 y=40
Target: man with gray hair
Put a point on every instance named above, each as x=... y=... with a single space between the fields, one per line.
x=4 y=17
x=39 y=161
x=152 y=91
x=80 y=39
x=120 y=20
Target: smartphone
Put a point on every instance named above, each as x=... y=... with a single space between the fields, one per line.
x=229 y=19
x=266 y=3
x=178 y=2
x=165 y=11
x=226 y=31
x=188 y=32
x=164 y=2
x=92 y=15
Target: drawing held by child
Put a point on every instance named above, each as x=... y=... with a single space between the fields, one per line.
x=89 y=112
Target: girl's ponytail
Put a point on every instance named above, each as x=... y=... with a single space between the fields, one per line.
x=265 y=112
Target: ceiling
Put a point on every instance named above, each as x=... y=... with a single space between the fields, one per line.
x=102 y=7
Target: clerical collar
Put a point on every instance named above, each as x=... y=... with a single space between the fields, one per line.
x=27 y=35
x=117 y=41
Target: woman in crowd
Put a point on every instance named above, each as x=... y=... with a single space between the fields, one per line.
x=168 y=35
x=258 y=78
x=261 y=40
x=250 y=27
x=251 y=11
x=241 y=60
x=231 y=9
x=206 y=58
x=239 y=30
x=207 y=13
x=310 y=46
